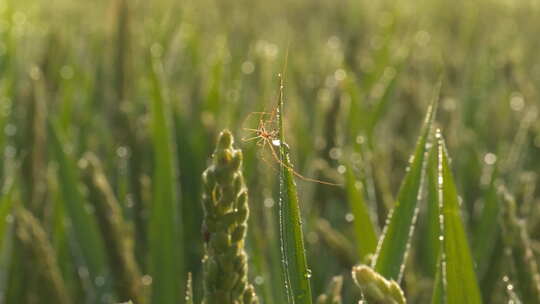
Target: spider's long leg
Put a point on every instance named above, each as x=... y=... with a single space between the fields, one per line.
x=276 y=157
x=272 y=115
x=250 y=139
x=261 y=115
x=250 y=129
x=261 y=141
x=270 y=164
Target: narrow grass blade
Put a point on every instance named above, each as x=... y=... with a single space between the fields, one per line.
x=6 y=261
x=189 y=289
x=3 y=122
x=89 y=245
x=165 y=235
x=6 y=237
x=59 y=234
x=339 y=244
x=128 y=283
x=6 y=204
x=488 y=231
x=366 y=236
x=35 y=242
x=388 y=81
x=438 y=288
x=524 y=267
x=392 y=249
x=430 y=244
x=295 y=270
x=456 y=270
x=513 y=298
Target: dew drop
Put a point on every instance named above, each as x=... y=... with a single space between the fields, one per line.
x=335 y=153
x=83 y=272
x=10 y=130
x=269 y=202
x=100 y=281
x=340 y=74
x=156 y=50
x=35 y=73
x=490 y=158
x=248 y=67
x=10 y=152
x=67 y=72
x=146 y=280
x=517 y=103
x=122 y=152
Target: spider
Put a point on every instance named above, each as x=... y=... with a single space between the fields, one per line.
x=263 y=133
x=267 y=136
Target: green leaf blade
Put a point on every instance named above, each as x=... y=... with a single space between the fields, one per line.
x=487 y=233
x=6 y=205
x=363 y=226
x=430 y=244
x=84 y=227
x=393 y=245
x=295 y=271
x=166 y=257
x=459 y=278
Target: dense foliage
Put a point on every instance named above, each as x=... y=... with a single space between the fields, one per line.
x=110 y=112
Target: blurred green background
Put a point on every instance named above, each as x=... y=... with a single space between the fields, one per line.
x=148 y=85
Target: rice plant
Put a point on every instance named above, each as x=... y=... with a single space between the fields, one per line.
x=292 y=151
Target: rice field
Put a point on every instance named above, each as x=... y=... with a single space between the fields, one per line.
x=242 y=152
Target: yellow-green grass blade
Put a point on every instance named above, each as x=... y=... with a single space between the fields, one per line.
x=87 y=241
x=295 y=272
x=456 y=271
x=60 y=234
x=189 y=289
x=166 y=256
x=519 y=250
x=393 y=245
x=487 y=232
x=388 y=81
x=429 y=243
x=366 y=237
x=6 y=236
x=6 y=204
x=438 y=288
x=6 y=261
